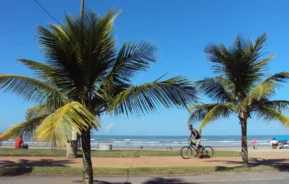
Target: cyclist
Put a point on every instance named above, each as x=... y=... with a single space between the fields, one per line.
x=196 y=140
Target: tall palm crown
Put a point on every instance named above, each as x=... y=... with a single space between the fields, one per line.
x=83 y=76
x=82 y=65
x=242 y=86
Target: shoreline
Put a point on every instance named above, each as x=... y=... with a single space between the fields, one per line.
x=219 y=148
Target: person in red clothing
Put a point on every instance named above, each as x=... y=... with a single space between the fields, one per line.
x=19 y=142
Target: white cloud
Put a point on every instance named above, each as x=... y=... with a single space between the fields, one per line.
x=109 y=127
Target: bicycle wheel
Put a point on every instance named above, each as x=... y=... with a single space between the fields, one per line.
x=186 y=152
x=207 y=152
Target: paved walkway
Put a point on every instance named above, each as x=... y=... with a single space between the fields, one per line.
x=103 y=162
x=228 y=178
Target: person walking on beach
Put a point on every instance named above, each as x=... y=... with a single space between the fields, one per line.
x=196 y=140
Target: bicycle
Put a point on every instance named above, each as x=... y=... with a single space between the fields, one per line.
x=187 y=151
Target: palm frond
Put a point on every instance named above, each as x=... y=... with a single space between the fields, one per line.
x=262 y=64
x=217 y=88
x=43 y=71
x=242 y=64
x=58 y=127
x=63 y=53
x=258 y=45
x=32 y=89
x=217 y=53
x=267 y=88
x=278 y=105
x=175 y=92
x=98 y=45
x=40 y=110
x=131 y=58
x=25 y=128
x=82 y=52
x=210 y=112
x=199 y=111
x=269 y=114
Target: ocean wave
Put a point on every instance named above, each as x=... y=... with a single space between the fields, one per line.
x=162 y=140
x=118 y=141
x=137 y=142
x=153 y=142
x=223 y=141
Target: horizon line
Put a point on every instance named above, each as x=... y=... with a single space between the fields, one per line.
x=186 y=135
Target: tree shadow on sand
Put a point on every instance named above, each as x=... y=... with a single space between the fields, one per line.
x=166 y=180
x=279 y=164
x=14 y=171
x=9 y=168
x=151 y=181
x=102 y=182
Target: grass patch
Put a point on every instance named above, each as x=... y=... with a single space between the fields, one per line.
x=114 y=153
x=137 y=171
x=31 y=152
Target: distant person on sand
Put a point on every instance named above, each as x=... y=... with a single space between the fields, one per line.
x=19 y=143
x=196 y=140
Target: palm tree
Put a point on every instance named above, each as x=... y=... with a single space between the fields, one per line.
x=85 y=76
x=241 y=87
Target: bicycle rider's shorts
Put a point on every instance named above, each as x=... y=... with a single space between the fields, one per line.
x=196 y=142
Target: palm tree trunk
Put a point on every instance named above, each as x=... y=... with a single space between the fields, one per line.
x=86 y=158
x=244 y=142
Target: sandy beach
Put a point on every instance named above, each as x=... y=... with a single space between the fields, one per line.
x=261 y=156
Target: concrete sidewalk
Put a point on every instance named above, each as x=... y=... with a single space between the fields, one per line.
x=228 y=178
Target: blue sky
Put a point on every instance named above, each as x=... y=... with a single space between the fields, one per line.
x=180 y=29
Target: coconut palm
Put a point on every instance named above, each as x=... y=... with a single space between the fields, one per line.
x=84 y=76
x=241 y=87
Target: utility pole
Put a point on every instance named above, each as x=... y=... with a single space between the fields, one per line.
x=81 y=21
x=81 y=10
x=74 y=143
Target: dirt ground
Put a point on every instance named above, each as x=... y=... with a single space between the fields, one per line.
x=262 y=158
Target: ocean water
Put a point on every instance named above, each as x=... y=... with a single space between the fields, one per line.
x=176 y=141
x=161 y=141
